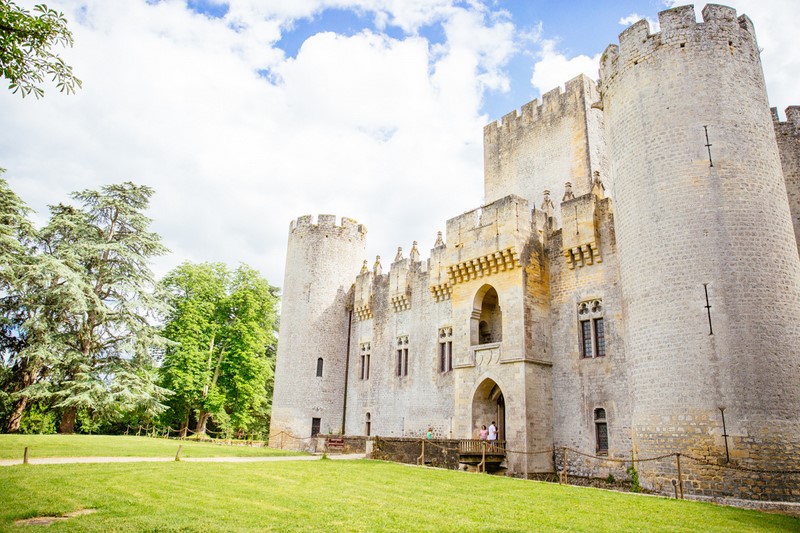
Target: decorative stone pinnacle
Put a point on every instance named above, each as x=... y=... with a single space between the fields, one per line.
x=547 y=204
x=364 y=267
x=399 y=256
x=598 y=189
x=377 y=268
x=567 y=192
x=439 y=241
x=414 y=252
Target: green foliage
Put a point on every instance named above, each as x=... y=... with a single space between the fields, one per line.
x=38 y=419
x=635 y=486
x=26 y=43
x=221 y=358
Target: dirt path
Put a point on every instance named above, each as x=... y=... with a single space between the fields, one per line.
x=72 y=460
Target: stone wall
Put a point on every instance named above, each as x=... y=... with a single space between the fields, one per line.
x=401 y=307
x=788 y=137
x=440 y=453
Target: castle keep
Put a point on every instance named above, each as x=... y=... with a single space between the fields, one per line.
x=633 y=278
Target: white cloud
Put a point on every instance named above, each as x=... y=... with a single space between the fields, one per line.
x=554 y=68
x=370 y=127
x=633 y=18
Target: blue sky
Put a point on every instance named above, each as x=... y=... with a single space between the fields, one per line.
x=246 y=114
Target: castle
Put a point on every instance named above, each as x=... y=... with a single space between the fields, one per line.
x=630 y=288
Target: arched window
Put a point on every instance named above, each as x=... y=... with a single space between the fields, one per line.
x=368 y=425
x=487 y=319
x=319 y=367
x=601 y=430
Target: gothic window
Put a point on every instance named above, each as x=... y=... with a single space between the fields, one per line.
x=445 y=349
x=315 y=424
x=319 y=367
x=601 y=431
x=402 y=356
x=591 y=329
x=365 y=353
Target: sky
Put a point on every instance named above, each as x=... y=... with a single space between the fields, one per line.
x=246 y=114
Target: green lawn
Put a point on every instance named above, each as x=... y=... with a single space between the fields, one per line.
x=13 y=446
x=341 y=496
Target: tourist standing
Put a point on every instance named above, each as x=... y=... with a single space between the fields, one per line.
x=492 y=431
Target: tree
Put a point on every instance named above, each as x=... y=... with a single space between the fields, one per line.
x=222 y=330
x=26 y=43
x=76 y=304
x=106 y=342
x=35 y=290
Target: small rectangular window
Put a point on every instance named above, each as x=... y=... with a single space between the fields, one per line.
x=443 y=357
x=599 y=338
x=405 y=361
x=366 y=372
x=586 y=338
x=399 y=362
x=602 y=437
x=363 y=366
x=449 y=355
x=601 y=430
x=315 y=424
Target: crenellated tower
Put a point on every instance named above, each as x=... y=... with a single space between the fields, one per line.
x=545 y=144
x=707 y=253
x=322 y=262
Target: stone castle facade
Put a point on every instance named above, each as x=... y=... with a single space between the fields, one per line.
x=633 y=277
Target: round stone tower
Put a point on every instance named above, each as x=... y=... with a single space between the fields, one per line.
x=322 y=262
x=708 y=260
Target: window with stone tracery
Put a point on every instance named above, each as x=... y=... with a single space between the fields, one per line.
x=365 y=356
x=591 y=329
x=445 y=349
x=402 y=356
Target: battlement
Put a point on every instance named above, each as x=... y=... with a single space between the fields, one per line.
x=326 y=222
x=555 y=103
x=679 y=29
x=792 y=117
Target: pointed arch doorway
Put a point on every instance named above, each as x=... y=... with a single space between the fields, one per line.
x=489 y=405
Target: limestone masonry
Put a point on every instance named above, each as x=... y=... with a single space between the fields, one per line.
x=631 y=289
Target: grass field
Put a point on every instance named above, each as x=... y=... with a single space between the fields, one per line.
x=12 y=447
x=341 y=496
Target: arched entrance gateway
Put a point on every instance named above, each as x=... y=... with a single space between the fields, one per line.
x=489 y=405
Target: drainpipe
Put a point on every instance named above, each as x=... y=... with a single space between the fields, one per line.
x=347 y=367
